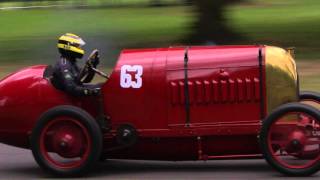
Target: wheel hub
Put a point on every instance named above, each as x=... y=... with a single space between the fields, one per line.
x=297 y=141
x=296 y=145
x=64 y=145
x=67 y=143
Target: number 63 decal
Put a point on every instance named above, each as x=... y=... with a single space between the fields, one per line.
x=131 y=76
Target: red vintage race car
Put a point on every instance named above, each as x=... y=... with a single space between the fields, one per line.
x=177 y=103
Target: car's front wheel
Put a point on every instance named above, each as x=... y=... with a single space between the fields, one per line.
x=310 y=98
x=290 y=139
x=66 y=141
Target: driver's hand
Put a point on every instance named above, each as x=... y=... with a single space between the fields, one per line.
x=94 y=92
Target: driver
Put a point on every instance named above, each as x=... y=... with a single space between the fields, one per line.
x=66 y=74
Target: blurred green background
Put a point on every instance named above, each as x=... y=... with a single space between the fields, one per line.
x=29 y=29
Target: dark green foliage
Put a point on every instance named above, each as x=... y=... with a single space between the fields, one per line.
x=210 y=25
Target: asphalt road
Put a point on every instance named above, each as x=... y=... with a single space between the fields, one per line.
x=17 y=163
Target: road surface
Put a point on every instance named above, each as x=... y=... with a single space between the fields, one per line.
x=17 y=163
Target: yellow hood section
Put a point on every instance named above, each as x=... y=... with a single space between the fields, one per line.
x=281 y=77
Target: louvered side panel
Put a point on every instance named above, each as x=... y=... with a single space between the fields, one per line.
x=224 y=90
x=174 y=88
x=192 y=93
x=257 y=89
x=249 y=89
x=182 y=94
x=232 y=90
x=207 y=91
x=241 y=90
x=199 y=92
x=215 y=91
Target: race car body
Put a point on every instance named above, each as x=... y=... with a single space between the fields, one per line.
x=177 y=103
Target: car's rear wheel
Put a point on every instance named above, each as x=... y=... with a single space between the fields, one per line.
x=66 y=141
x=287 y=134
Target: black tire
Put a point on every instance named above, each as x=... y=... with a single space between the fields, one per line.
x=92 y=131
x=277 y=113
x=309 y=95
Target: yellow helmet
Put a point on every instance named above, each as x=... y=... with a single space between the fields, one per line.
x=69 y=45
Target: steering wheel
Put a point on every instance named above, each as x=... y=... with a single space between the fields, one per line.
x=89 y=70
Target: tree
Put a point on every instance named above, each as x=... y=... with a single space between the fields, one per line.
x=211 y=25
x=155 y=3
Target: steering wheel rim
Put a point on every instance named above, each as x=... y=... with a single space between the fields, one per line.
x=88 y=71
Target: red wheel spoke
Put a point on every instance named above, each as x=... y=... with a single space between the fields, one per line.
x=313 y=142
x=281 y=143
